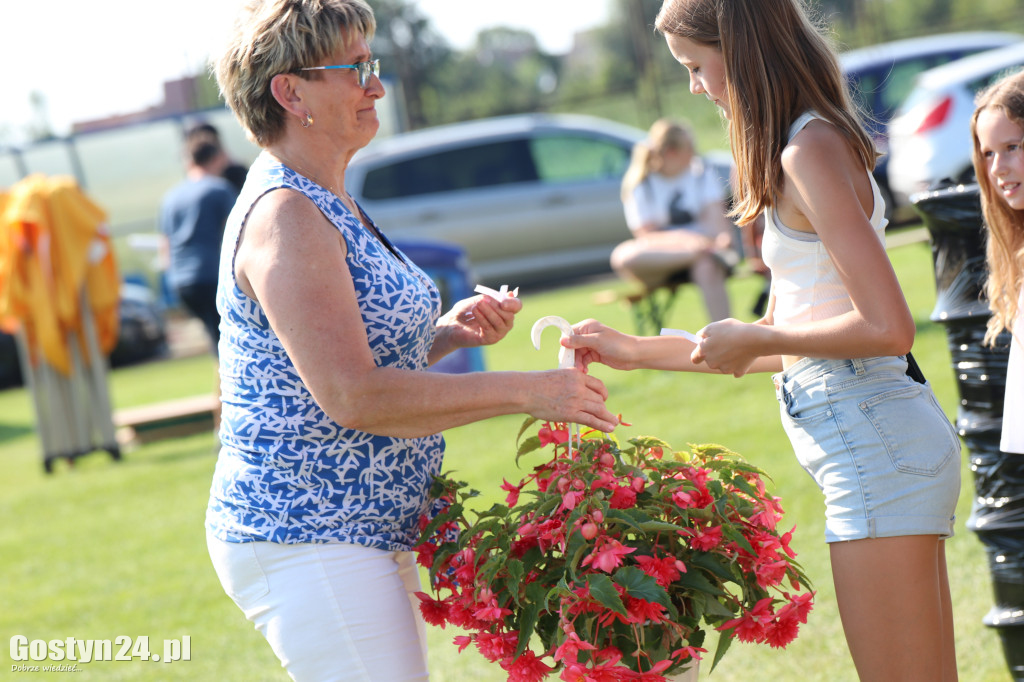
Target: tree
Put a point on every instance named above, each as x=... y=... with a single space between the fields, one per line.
x=412 y=50
x=40 y=128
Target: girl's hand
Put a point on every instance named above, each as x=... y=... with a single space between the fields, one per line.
x=479 y=321
x=728 y=346
x=596 y=342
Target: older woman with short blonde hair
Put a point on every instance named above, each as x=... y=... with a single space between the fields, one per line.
x=330 y=430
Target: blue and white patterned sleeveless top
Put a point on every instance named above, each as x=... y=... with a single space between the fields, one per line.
x=287 y=473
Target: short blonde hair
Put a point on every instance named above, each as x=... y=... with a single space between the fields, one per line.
x=272 y=37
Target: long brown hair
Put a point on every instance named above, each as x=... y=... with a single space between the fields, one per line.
x=778 y=65
x=1005 y=236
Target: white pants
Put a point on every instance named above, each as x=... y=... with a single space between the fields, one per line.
x=331 y=612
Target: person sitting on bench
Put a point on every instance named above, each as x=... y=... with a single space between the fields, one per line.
x=676 y=210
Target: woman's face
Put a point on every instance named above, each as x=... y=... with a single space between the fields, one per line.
x=675 y=160
x=999 y=140
x=339 y=104
x=706 y=68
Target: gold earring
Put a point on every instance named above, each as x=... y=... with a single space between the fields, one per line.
x=309 y=120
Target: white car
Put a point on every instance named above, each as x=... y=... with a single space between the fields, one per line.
x=529 y=198
x=882 y=75
x=930 y=135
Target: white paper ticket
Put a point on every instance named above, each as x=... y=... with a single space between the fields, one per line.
x=693 y=338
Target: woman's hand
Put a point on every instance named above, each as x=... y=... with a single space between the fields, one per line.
x=728 y=346
x=568 y=395
x=479 y=321
x=596 y=342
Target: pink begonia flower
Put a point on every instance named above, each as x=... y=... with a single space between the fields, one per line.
x=434 y=611
x=622 y=498
x=610 y=655
x=578 y=672
x=642 y=611
x=491 y=612
x=526 y=668
x=686 y=652
x=771 y=573
x=665 y=570
x=781 y=632
x=607 y=556
x=652 y=675
x=571 y=647
x=799 y=607
x=425 y=554
x=571 y=499
x=699 y=476
x=512 y=499
x=462 y=641
x=705 y=539
x=496 y=647
x=556 y=436
x=750 y=626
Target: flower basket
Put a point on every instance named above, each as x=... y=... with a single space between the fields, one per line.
x=610 y=563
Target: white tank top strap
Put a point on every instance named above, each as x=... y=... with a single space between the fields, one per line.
x=801 y=121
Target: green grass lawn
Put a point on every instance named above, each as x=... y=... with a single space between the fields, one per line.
x=105 y=549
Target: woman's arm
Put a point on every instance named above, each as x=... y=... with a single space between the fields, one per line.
x=291 y=260
x=596 y=342
x=827 y=191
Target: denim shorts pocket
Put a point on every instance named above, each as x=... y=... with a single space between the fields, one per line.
x=916 y=433
x=241 y=574
x=803 y=409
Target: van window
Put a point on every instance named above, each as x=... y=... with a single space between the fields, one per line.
x=449 y=170
x=563 y=158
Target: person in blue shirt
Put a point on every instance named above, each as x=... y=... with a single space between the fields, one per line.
x=331 y=425
x=192 y=220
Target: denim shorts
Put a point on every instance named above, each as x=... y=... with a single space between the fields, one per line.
x=877 y=443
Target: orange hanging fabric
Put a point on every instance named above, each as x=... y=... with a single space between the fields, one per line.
x=53 y=241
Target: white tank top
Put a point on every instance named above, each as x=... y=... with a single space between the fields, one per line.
x=805 y=281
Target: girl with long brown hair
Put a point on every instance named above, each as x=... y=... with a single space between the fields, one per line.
x=837 y=330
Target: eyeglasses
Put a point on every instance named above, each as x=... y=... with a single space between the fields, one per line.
x=363 y=70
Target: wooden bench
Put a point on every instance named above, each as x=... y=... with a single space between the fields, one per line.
x=170 y=419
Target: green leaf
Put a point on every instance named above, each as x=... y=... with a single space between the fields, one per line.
x=655 y=526
x=453 y=512
x=697 y=581
x=527 y=423
x=745 y=486
x=497 y=509
x=718 y=609
x=603 y=590
x=529 y=445
x=650 y=442
x=713 y=563
x=618 y=515
x=731 y=532
x=536 y=601
x=723 y=645
x=641 y=586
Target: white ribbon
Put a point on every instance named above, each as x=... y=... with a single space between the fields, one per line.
x=566 y=357
x=498 y=295
x=693 y=338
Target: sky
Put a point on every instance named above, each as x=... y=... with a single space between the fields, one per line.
x=94 y=58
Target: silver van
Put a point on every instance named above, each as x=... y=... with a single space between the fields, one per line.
x=529 y=198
